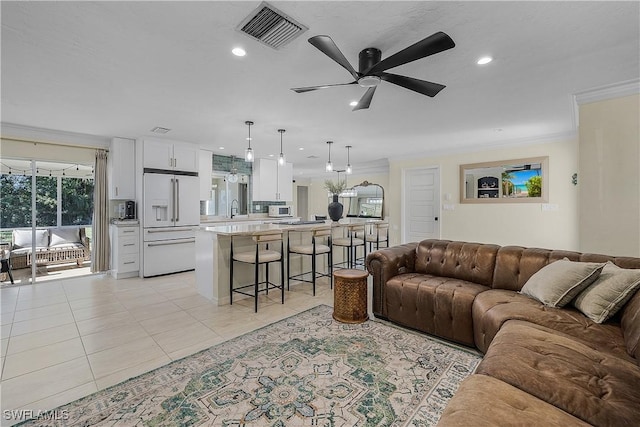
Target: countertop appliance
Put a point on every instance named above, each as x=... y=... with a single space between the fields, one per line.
x=170 y=219
x=280 y=210
x=129 y=209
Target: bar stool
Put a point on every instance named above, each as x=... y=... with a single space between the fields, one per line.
x=350 y=243
x=320 y=245
x=379 y=233
x=261 y=255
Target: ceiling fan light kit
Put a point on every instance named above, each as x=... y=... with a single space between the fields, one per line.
x=371 y=66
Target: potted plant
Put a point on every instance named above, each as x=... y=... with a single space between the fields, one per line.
x=335 y=208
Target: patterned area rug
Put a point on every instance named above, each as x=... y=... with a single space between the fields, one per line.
x=306 y=370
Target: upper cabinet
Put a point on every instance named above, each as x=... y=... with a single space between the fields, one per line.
x=121 y=169
x=285 y=182
x=206 y=168
x=272 y=182
x=171 y=155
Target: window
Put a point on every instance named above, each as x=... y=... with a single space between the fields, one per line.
x=61 y=200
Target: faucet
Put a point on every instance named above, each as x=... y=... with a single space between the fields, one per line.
x=232 y=208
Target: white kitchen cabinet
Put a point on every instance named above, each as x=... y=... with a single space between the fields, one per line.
x=285 y=182
x=125 y=250
x=206 y=167
x=272 y=182
x=121 y=169
x=170 y=155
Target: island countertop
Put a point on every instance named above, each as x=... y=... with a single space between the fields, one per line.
x=248 y=229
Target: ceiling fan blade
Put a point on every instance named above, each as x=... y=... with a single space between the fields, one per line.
x=310 y=88
x=421 y=86
x=365 y=100
x=433 y=44
x=326 y=45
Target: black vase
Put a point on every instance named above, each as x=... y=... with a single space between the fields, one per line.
x=335 y=209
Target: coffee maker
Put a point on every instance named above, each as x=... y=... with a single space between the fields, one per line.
x=130 y=209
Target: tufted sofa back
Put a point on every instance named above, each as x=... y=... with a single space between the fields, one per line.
x=473 y=262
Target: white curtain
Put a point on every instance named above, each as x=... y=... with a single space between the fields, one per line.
x=101 y=247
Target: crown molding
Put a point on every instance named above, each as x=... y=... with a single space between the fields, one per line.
x=615 y=90
x=52 y=136
x=521 y=142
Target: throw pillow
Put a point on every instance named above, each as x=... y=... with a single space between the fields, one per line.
x=556 y=284
x=63 y=236
x=22 y=238
x=609 y=293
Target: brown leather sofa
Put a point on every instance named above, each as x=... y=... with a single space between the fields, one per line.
x=542 y=365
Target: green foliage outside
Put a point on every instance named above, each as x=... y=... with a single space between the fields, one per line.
x=15 y=201
x=507 y=183
x=534 y=186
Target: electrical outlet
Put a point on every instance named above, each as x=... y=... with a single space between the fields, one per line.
x=550 y=207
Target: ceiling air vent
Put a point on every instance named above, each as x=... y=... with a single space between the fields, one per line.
x=270 y=26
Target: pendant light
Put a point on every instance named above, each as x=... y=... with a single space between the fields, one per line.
x=329 y=166
x=281 y=159
x=248 y=153
x=233 y=176
x=348 y=169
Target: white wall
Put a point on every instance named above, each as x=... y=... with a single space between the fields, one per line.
x=523 y=224
x=609 y=177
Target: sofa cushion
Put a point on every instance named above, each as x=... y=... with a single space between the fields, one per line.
x=604 y=297
x=437 y=305
x=557 y=283
x=63 y=236
x=472 y=262
x=484 y=400
x=630 y=326
x=22 y=238
x=493 y=308
x=594 y=386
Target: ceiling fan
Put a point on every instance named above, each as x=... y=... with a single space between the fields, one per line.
x=371 y=69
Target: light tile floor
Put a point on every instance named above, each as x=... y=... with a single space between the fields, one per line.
x=66 y=339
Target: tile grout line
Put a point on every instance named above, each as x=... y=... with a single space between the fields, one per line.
x=75 y=322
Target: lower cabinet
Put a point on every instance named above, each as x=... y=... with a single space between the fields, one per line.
x=125 y=250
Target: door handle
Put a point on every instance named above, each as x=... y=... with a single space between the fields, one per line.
x=171 y=243
x=177 y=200
x=436 y=218
x=173 y=200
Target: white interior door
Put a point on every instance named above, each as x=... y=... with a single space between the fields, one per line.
x=421 y=204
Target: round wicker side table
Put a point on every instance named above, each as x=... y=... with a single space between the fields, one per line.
x=350 y=296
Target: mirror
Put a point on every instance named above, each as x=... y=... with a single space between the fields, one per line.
x=507 y=181
x=366 y=200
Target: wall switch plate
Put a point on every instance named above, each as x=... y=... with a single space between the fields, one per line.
x=448 y=207
x=549 y=207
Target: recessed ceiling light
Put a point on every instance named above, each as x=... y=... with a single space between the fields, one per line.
x=301 y=148
x=238 y=51
x=484 y=60
x=220 y=148
x=270 y=155
x=353 y=103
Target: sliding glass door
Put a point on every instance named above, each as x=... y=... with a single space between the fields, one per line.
x=45 y=223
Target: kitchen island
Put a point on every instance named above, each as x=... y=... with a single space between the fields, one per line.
x=213 y=248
